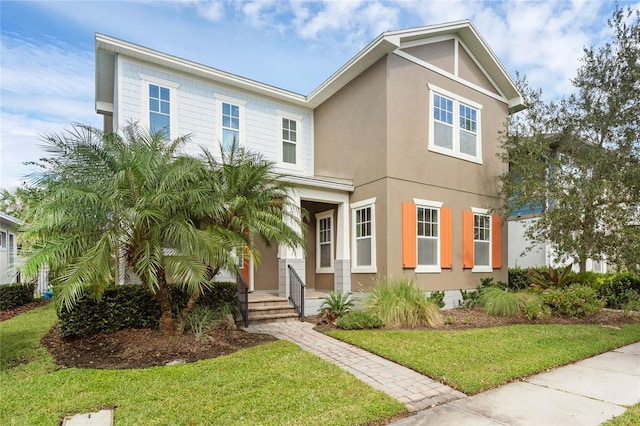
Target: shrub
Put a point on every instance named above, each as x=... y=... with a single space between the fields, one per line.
x=470 y=299
x=358 y=320
x=437 y=297
x=335 y=305
x=200 y=319
x=13 y=295
x=131 y=306
x=535 y=309
x=401 y=304
x=633 y=303
x=575 y=300
x=518 y=279
x=614 y=288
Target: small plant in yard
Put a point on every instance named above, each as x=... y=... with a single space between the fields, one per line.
x=451 y=319
x=501 y=303
x=632 y=307
x=535 y=309
x=555 y=278
x=437 y=297
x=401 y=304
x=335 y=305
x=200 y=320
x=575 y=300
x=470 y=299
x=358 y=320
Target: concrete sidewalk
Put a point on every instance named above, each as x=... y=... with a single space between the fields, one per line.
x=588 y=392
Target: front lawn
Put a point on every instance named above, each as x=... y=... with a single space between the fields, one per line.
x=273 y=384
x=479 y=359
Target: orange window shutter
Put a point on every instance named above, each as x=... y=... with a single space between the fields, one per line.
x=409 y=236
x=446 y=238
x=496 y=242
x=467 y=239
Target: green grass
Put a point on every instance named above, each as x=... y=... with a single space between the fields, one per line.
x=273 y=384
x=479 y=359
x=631 y=417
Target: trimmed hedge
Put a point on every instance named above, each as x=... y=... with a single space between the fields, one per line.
x=13 y=295
x=132 y=306
x=616 y=288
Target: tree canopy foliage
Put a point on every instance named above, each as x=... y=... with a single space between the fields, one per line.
x=578 y=159
x=135 y=202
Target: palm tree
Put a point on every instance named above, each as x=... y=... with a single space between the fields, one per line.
x=135 y=200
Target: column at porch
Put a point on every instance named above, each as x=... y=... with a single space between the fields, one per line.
x=291 y=256
x=342 y=263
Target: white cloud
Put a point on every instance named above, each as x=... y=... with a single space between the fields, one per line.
x=46 y=85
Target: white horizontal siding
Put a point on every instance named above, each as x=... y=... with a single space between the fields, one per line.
x=198 y=115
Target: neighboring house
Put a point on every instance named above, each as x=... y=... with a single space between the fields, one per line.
x=9 y=272
x=525 y=254
x=393 y=156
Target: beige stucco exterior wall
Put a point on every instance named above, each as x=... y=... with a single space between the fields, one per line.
x=265 y=275
x=350 y=129
x=385 y=114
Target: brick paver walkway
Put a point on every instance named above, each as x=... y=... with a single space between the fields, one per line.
x=413 y=389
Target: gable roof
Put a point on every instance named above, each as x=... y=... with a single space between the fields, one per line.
x=107 y=47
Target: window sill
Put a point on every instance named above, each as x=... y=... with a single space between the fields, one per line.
x=364 y=270
x=428 y=269
x=325 y=271
x=482 y=269
x=455 y=154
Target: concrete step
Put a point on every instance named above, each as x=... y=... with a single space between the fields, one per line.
x=266 y=319
x=276 y=301
x=269 y=310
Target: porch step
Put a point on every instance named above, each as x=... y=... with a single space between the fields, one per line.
x=270 y=308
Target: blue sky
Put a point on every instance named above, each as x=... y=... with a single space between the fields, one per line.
x=47 y=48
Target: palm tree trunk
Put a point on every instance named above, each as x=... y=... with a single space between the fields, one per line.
x=193 y=299
x=167 y=325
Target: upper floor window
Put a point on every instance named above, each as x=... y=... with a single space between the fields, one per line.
x=160 y=110
x=289 y=140
x=324 y=239
x=230 y=128
x=230 y=125
x=454 y=125
x=3 y=239
x=363 y=243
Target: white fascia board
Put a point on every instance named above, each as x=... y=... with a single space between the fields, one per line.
x=8 y=218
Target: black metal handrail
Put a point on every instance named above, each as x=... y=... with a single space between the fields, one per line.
x=243 y=297
x=296 y=292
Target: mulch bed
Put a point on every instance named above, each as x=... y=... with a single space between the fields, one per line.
x=10 y=313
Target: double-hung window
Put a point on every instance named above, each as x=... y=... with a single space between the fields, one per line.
x=324 y=239
x=3 y=240
x=427 y=235
x=363 y=243
x=11 y=253
x=230 y=126
x=454 y=125
x=160 y=110
x=289 y=140
x=481 y=240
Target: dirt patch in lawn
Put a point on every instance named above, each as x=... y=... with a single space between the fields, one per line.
x=140 y=348
x=463 y=319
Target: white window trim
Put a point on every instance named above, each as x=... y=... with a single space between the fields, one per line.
x=457 y=100
x=4 y=243
x=355 y=269
x=11 y=250
x=483 y=268
x=220 y=99
x=330 y=269
x=298 y=119
x=435 y=205
x=145 y=80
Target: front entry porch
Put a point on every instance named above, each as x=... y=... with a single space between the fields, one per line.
x=266 y=307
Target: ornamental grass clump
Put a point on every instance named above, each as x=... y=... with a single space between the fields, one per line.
x=401 y=304
x=504 y=303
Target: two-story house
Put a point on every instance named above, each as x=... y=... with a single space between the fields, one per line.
x=393 y=156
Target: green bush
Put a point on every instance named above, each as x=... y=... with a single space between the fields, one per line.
x=132 y=306
x=437 y=297
x=518 y=279
x=574 y=300
x=401 y=304
x=13 y=295
x=614 y=288
x=470 y=299
x=335 y=305
x=358 y=320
